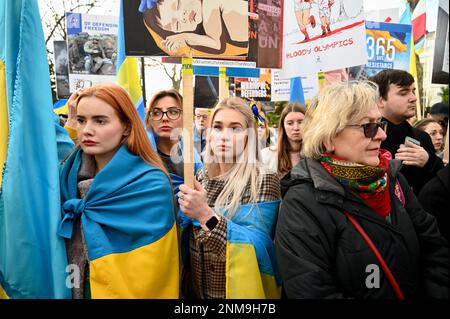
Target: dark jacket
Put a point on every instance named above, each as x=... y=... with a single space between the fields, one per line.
x=416 y=176
x=434 y=198
x=321 y=255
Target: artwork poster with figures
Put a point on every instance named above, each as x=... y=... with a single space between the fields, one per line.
x=92 y=49
x=186 y=27
x=322 y=35
x=237 y=30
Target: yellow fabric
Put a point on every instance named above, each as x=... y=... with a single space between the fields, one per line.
x=72 y=132
x=3 y=294
x=128 y=78
x=413 y=71
x=151 y=271
x=62 y=110
x=4 y=125
x=230 y=50
x=243 y=279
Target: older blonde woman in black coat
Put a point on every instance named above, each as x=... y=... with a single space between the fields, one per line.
x=349 y=225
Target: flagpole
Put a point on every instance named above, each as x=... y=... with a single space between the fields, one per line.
x=188 y=115
x=144 y=100
x=223 y=87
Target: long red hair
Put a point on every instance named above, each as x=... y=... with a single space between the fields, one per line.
x=137 y=141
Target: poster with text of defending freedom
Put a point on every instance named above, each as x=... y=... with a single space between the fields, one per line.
x=92 y=49
x=388 y=46
x=322 y=35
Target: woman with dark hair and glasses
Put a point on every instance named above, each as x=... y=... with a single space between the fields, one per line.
x=349 y=224
x=165 y=122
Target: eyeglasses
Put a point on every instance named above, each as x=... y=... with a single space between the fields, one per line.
x=201 y=117
x=371 y=129
x=172 y=113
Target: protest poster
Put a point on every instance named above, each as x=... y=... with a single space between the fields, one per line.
x=186 y=28
x=281 y=88
x=257 y=89
x=61 y=69
x=269 y=35
x=234 y=30
x=388 y=46
x=440 y=59
x=92 y=49
x=320 y=36
x=206 y=91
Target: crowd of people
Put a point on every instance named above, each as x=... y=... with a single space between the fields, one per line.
x=338 y=208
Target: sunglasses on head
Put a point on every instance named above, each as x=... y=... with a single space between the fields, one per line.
x=371 y=129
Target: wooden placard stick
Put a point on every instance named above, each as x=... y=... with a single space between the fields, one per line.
x=188 y=116
x=223 y=84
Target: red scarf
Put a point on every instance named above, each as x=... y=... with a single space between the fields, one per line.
x=370 y=183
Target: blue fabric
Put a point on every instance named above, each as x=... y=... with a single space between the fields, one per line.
x=32 y=257
x=129 y=204
x=255 y=224
x=406 y=15
x=251 y=224
x=59 y=103
x=147 y=4
x=63 y=141
x=297 y=94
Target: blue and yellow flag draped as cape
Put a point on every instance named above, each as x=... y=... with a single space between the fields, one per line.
x=32 y=257
x=251 y=268
x=129 y=227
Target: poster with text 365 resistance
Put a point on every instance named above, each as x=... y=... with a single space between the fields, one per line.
x=388 y=46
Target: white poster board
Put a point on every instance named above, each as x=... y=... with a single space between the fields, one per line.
x=281 y=88
x=312 y=45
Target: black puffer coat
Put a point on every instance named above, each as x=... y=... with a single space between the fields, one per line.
x=321 y=255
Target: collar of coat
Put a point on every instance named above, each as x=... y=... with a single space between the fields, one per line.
x=329 y=191
x=311 y=170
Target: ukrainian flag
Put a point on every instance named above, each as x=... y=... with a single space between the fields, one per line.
x=32 y=257
x=127 y=72
x=251 y=267
x=129 y=227
x=251 y=270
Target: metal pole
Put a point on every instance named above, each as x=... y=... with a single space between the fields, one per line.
x=144 y=100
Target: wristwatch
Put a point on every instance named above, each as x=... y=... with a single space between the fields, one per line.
x=211 y=223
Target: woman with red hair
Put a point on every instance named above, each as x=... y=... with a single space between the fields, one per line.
x=117 y=204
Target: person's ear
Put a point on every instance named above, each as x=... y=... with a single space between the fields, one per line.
x=127 y=131
x=381 y=103
x=329 y=146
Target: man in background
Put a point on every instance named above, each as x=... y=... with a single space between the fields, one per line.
x=412 y=146
x=201 y=124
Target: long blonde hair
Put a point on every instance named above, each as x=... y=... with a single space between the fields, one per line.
x=246 y=169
